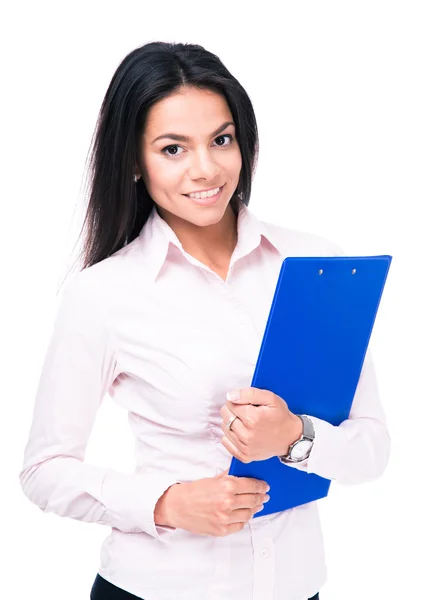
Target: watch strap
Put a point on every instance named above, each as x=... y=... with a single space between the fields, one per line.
x=308 y=434
x=308 y=429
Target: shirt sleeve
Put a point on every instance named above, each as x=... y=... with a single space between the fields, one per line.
x=79 y=368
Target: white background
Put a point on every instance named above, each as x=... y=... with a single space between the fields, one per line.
x=347 y=100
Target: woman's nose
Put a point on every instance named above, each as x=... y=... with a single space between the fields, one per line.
x=203 y=166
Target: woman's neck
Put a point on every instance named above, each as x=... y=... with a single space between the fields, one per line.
x=212 y=245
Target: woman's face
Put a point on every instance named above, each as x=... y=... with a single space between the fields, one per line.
x=209 y=157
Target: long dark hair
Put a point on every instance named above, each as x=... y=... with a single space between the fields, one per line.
x=117 y=207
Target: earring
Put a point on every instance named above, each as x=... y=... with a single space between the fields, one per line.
x=135 y=179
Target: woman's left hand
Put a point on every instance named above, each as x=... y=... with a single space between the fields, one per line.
x=265 y=427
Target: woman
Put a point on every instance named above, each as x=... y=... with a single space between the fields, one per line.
x=167 y=316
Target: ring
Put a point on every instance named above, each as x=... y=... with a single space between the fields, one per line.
x=231 y=420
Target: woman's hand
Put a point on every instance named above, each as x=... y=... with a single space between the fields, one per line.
x=216 y=506
x=265 y=427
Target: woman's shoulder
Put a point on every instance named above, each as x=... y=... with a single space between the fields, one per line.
x=92 y=290
x=108 y=275
x=295 y=242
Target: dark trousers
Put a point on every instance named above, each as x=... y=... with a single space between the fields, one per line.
x=104 y=590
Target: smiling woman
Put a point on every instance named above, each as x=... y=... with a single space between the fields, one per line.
x=166 y=316
x=170 y=92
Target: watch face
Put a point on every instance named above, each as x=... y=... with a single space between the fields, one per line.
x=301 y=449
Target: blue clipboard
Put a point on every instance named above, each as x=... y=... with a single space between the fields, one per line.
x=312 y=353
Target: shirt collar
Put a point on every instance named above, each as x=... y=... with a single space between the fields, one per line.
x=156 y=236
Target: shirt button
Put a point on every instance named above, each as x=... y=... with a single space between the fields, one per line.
x=264 y=553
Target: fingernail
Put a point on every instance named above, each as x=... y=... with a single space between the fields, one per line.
x=266 y=498
x=234 y=395
x=260 y=508
x=267 y=488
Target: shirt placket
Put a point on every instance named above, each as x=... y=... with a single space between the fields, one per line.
x=262 y=543
x=264 y=561
x=263 y=547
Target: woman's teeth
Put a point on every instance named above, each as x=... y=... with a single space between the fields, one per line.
x=200 y=195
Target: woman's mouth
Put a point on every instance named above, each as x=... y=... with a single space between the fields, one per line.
x=206 y=201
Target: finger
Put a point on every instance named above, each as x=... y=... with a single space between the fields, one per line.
x=249 y=500
x=242 y=515
x=239 y=429
x=232 y=435
x=225 y=413
x=255 y=396
x=235 y=528
x=232 y=448
x=249 y=485
x=246 y=413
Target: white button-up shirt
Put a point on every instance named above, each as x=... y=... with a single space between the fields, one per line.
x=167 y=338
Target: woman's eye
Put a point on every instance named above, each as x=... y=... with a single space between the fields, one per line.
x=227 y=135
x=168 y=148
x=172 y=154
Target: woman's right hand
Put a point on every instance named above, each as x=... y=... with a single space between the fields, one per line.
x=216 y=506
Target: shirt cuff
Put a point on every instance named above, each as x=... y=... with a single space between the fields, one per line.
x=327 y=448
x=134 y=497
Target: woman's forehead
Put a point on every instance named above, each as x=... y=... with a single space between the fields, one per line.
x=193 y=112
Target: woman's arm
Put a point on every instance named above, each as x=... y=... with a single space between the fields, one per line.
x=79 y=368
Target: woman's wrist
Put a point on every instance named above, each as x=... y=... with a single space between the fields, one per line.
x=163 y=512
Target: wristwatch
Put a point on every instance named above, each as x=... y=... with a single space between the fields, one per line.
x=300 y=450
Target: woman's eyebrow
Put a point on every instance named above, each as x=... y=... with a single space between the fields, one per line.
x=185 y=138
